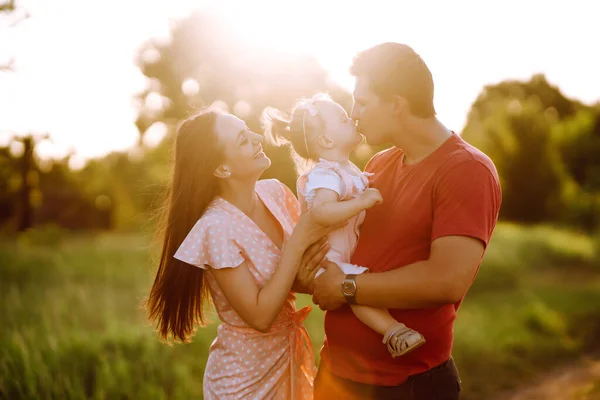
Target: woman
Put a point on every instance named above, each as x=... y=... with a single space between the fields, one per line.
x=230 y=235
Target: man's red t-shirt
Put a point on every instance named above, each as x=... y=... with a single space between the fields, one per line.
x=454 y=191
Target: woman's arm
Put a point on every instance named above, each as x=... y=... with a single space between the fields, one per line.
x=258 y=307
x=329 y=211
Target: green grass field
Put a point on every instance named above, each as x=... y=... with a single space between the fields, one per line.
x=71 y=326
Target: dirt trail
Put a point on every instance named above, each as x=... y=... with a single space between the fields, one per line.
x=580 y=381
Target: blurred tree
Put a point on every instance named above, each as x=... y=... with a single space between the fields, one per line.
x=36 y=192
x=578 y=142
x=19 y=174
x=71 y=201
x=7 y=6
x=204 y=63
x=541 y=142
x=8 y=183
x=11 y=15
x=127 y=184
x=29 y=180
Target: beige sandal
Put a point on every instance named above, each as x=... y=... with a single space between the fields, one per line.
x=401 y=340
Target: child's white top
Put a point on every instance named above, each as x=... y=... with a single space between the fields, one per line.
x=347 y=183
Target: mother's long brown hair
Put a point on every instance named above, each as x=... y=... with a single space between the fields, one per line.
x=176 y=300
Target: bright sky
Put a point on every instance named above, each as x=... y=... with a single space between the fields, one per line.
x=76 y=77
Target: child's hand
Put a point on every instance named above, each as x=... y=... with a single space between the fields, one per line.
x=371 y=197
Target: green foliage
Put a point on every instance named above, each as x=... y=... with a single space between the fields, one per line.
x=517 y=251
x=45 y=235
x=55 y=195
x=578 y=143
x=72 y=326
x=546 y=148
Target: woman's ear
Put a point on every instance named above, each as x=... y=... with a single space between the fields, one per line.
x=222 y=172
x=325 y=142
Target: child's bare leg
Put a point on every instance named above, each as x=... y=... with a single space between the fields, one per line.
x=398 y=337
x=378 y=319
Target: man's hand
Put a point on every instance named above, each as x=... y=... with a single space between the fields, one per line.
x=327 y=288
x=444 y=278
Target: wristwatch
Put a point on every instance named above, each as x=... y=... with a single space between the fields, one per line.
x=349 y=288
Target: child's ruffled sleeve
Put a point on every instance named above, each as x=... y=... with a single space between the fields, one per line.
x=324 y=178
x=211 y=242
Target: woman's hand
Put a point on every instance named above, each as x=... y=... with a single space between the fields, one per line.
x=311 y=262
x=308 y=231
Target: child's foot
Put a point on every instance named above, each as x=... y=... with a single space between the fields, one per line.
x=401 y=340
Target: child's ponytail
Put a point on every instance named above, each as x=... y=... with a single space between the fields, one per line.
x=299 y=129
x=276 y=126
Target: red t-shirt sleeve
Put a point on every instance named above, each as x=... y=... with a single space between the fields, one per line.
x=466 y=202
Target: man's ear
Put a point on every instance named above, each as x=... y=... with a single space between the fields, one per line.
x=325 y=142
x=222 y=172
x=400 y=106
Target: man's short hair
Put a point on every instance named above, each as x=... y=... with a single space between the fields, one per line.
x=396 y=69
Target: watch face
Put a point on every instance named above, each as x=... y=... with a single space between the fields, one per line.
x=348 y=288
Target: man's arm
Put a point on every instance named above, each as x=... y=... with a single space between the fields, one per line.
x=442 y=279
x=467 y=200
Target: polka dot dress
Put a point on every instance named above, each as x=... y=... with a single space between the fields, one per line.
x=244 y=363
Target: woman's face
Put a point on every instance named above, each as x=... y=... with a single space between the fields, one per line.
x=244 y=157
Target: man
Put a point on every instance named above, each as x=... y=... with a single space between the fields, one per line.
x=423 y=245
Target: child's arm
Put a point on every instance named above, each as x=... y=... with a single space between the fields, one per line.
x=328 y=210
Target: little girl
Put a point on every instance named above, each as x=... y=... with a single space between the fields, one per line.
x=323 y=136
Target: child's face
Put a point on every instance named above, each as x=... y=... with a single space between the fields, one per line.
x=340 y=128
